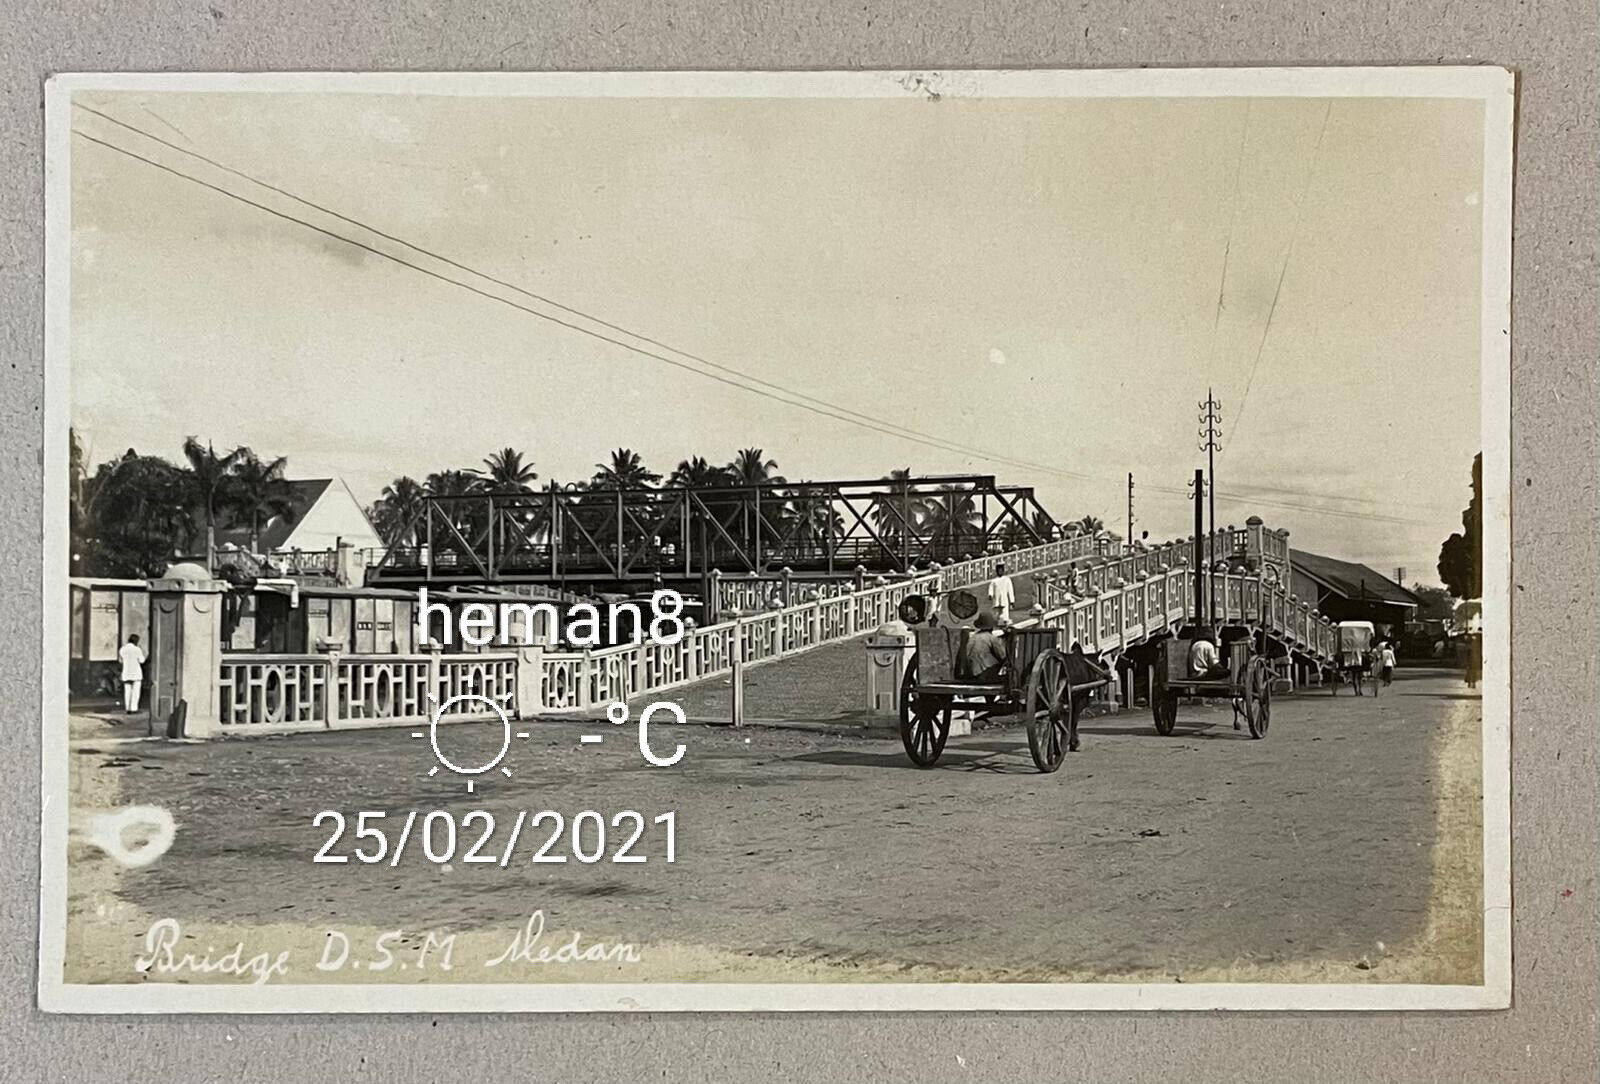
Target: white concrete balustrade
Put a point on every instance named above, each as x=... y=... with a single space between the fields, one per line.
x=259 y=693
x=1104 y=604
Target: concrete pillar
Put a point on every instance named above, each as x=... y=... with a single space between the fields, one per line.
x=530 y=681
x=186 y=650
x=888 y=652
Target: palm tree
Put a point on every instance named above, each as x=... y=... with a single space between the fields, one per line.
x=953 y=521
x=450 y=483
x=506 y=472
x=697 y=473
x=1090 y=525
x=258 y=492
x=816 y=522
x=455 y=483
x=209 y=475
x=625 y=471
x=397 y=511
x=894 y=511
x=750 y=468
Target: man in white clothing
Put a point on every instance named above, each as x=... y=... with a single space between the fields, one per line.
x=1001 y=593
x=133 y=659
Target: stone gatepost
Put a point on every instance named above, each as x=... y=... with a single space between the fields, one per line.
x=530 y=680
x=186 y=650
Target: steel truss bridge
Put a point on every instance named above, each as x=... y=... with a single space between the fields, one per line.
x=677 y=534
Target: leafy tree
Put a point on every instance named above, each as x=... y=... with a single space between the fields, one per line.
x=1435 y=603
x=258 y=492
x=133 y=517
x=1091 y=525
x=210 y=475
x=1461 y=556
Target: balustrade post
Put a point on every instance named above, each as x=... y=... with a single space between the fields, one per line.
x=331 y=684
x=530 y=681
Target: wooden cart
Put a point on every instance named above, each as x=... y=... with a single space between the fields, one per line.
x=1248 y=684
x=1049 y=686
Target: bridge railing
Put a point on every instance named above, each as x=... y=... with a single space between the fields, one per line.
x=1103 y=617
x=1103 y=604
x=263 y=693
x=581 y=680
x=751 y=592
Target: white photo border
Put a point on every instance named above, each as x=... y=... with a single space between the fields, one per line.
x=1494 y=87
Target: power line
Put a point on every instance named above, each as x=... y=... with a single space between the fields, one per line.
x=1294 y=236
x=826 y=409
x=1233 y=221
x=943 y=444
x=929 y=441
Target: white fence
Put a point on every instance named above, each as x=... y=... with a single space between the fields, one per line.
x=1104 y=604
x=311 y=692
x=1103 y=618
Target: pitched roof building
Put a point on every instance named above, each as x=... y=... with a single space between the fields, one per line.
x=1348 y=591
x=324 y=513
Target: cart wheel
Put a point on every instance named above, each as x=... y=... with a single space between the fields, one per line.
x=908 y=683
x=1052 y=715
x=1163 y=703
x=924 y=728
x=1258 y=698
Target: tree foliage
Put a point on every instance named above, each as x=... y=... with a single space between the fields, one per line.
x=1461 y=556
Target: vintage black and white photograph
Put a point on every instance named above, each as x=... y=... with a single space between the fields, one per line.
x=941 y=540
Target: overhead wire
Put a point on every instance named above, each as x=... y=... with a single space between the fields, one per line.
x=1294 y=237
x=944 y=444
x=810 y=403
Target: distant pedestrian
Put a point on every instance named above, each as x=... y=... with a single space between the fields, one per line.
x=133 y=660
x=1002 y=594
x=1386 y=662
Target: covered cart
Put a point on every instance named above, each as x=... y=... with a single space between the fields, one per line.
x=1353 y=656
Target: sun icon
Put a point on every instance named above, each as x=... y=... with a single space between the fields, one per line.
x=458 y=703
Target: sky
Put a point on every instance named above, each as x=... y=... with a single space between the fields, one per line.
x=1035 y=280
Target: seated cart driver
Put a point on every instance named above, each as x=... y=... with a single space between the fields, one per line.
x=1205 y=664
x=985 y=654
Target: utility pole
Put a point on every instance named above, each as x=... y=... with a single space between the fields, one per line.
x=1211 y=444
x=1130 y=511
x=1202 y=604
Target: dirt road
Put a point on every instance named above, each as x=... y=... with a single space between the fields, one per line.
x=1344 y=847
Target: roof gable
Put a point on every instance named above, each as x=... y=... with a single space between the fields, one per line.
x=302 y=494
x=1351 y=579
